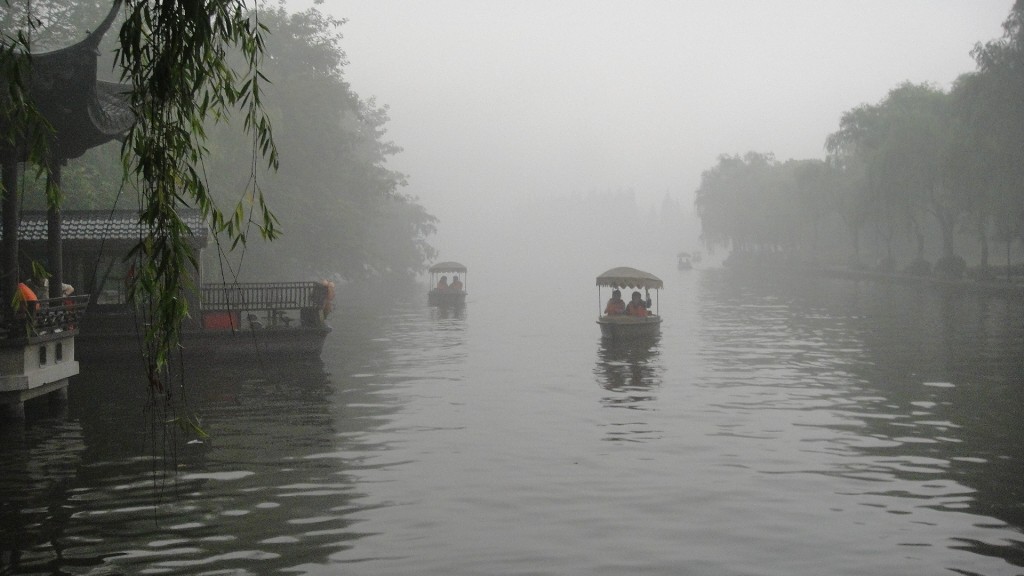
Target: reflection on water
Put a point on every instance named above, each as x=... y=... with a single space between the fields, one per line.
x=913 y=386
x=629 y=370
x=445 y=311
x=161 y=501
x=776 y=426
x=38 y=468
x=631 y=373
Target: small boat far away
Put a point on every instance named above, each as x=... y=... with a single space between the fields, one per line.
x=620 y=320
x=447 y=289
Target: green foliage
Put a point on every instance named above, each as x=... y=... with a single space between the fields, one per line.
x=20 y=120
x=195 y=69
x=993 y=105
x=189 y=425
x=333 y=192
x=919 y=162
x=175 y=57
x=54 y=23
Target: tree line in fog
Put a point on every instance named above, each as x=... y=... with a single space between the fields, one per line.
x=925 y=180
x=342 y=211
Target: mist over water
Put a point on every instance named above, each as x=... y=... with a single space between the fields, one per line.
x=777 y=426
x=558 y=246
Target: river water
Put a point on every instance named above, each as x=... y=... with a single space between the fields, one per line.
x=779 y=426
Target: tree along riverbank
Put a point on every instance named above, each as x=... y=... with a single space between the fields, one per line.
x=972 y=282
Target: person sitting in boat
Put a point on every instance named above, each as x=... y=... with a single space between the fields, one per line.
x=637 y=306
x=456 y=284
x=322 y=296
x=442 y=284
x=615 y=304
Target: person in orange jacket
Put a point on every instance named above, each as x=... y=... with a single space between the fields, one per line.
x=615 y=304
x=27 y=298
x=638 y=307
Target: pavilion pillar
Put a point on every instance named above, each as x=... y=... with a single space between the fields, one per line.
x=9 y=274
x=54 y=242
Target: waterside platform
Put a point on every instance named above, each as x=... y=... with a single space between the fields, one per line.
x=37 y=354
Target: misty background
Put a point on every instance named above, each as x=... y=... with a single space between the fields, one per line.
x=780 y=423
x=525 y=106
x=529 y=138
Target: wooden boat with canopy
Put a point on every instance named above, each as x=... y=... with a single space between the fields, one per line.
x=686 y=260
x=623 y=326
x=446 y=287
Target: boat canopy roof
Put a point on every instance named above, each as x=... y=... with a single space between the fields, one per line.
x=625 y=277
x=448 y=267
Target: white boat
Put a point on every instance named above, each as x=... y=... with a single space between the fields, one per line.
x=447 y=289
x=626 y=326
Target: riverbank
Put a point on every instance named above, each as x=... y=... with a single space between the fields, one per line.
x=990 y=287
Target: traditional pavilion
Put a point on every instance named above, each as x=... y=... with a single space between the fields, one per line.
x=37 y=350
x=83 y=111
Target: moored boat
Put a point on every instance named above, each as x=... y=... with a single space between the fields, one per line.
x=233 y=319
x=266 y=319
x=445 y=291
x=629 y=323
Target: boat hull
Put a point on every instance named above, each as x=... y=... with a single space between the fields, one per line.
x=449 y=298
x=629 y=327
x=238 y=344
x=105 y=336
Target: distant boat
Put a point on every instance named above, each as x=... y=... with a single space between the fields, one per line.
x=447 y=291
x=628 y=326
x=684 y=261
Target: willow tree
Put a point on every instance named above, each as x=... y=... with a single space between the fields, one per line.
x=849 y=152
x=732 y=200
x=910 y=171
x=904 y=144
x=996 y=111
x=177 y=58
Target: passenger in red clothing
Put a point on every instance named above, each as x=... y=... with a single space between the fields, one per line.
x=615 y=304
x=27 y=298
x=638 y=307
x=456 y=284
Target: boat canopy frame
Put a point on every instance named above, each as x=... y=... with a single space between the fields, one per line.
x=450 y=267
x=624 y=277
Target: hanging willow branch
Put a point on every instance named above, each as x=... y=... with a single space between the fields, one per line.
x=21 y=123
x=174 y=54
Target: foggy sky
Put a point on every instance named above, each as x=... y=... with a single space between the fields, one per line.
x=494 y=100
